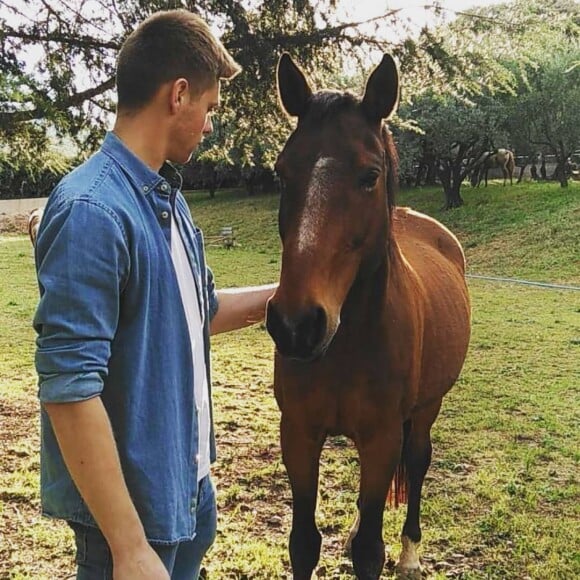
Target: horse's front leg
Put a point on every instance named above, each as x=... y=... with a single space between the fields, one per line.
x=379 y=457
x=301 y=449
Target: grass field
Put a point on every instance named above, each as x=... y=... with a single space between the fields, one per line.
x=501 y=499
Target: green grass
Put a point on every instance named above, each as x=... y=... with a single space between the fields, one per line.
x=501 y=499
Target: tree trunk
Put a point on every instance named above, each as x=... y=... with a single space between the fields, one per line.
x=419 y=176
x=560 y=174
x=431 y=174
x=562 y=167
x=453 y=197
x=451 y=186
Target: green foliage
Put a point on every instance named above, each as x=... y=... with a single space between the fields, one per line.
x=30 y=163
x=518 y=88
x=62 y=59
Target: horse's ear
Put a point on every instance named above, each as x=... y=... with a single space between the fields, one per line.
x=293 y=88
x=382 y=90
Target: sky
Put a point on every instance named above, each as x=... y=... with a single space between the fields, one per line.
x=362 y=9
x=411 y=10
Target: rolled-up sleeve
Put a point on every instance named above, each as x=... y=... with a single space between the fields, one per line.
x=212 y=296
x=82 y=262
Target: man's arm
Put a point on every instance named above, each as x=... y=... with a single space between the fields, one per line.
x=240 y=307
x=88 y=447
x=76 y=321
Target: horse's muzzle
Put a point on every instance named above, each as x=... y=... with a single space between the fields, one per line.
x=300 y=336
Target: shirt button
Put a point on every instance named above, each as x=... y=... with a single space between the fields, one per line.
x=145 y=188
x=164 y=215
x=197 y=458
x=164 y=186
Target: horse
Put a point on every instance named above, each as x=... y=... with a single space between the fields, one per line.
x=501 y=158
x=34 y=223
x=371 y=318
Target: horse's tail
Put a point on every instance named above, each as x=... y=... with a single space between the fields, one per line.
x=398 y=492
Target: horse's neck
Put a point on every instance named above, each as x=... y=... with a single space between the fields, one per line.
x=366 y=298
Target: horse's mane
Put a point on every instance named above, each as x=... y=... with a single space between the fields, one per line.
x=392 y=160
x=325 y=105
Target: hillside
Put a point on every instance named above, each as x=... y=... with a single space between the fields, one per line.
x=526 y=231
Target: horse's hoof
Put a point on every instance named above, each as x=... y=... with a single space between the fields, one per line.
x=408 y=566
x=408 y=573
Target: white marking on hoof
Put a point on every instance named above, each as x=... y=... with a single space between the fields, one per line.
x=353 y=532
x=409 y=558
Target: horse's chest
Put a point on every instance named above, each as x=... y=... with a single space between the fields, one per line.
x=343 y=392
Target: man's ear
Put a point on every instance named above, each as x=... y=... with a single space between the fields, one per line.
x=177 y=94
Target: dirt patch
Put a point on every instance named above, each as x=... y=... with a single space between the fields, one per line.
x=19 y=435
x=31 y=546
x=13 y=224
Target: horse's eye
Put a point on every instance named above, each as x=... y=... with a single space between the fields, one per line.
x=369 y=180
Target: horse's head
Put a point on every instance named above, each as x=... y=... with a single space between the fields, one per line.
x=338 y=174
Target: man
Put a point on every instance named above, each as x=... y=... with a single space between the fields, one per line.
x=126 y=308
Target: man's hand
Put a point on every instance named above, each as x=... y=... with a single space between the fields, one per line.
x=140 y=564
x=241 y=307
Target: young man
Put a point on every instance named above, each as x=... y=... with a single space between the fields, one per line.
x=126 y=309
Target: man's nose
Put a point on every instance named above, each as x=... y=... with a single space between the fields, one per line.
x=208 y=127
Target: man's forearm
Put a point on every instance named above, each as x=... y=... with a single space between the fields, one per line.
x=87 y=444
x=240 y=307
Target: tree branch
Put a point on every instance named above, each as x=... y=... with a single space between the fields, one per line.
x=77 y=41
x=73 y=100
x=305 y=38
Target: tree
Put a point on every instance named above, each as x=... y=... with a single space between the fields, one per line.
x=458 y=131
x=61 y=55
x=547 y=106
x=519 y=87
x=541 y=50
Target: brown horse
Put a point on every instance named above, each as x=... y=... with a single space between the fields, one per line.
x=34 y=223
x=502 y=158
x=371 y=318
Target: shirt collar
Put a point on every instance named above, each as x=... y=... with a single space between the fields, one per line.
x=140 y=174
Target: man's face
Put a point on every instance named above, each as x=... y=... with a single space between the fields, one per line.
x=192 y=122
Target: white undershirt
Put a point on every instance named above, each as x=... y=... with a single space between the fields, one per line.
x=188 y=291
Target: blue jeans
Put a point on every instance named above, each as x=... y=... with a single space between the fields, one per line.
x=182 y=560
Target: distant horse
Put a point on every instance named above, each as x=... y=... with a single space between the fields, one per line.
x=501 y=158
x=33 y=223
x=371 y=319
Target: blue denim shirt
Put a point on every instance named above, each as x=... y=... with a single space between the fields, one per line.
x=111 y=323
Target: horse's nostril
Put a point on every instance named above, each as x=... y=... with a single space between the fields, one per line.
x=312 y=328
x=277 y=327
x=299 y=336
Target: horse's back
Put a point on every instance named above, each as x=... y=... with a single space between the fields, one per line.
x=433 y=258
x=418 y=234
